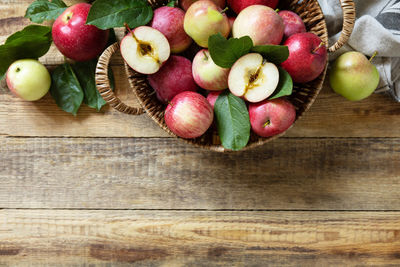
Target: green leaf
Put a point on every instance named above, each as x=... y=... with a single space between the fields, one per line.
x=42 y=10
x=232 y=120
x=285 y=85
x=172 y=4
x=29 y=32
x=273 y=53
x=225 y=52
x=106 y=14
x=65 y=89
x=85 y=72
x=32 y=42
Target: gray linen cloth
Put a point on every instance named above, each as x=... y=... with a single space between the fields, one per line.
x=377 y=28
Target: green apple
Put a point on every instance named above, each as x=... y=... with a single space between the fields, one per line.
x=203 y=19
x=207 y=74
x=354 y=76
x=28 y=79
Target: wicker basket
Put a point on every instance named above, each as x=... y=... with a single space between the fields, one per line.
x=303 y=94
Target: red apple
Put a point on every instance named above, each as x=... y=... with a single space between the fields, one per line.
x=185 y=4
x=293 y=23
x=253 y=78
x=239 y=5
x=261 y=23
x=307 y=57
x=271 y=117
x=189 y=115
x=174 y=77
x=145 y=49
x=74 y=38
x=212 y=97
x=169 y=21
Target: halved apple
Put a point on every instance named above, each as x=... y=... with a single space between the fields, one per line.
x=145 y=49
x=253 y=78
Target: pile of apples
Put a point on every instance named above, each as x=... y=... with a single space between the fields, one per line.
x=154 y=50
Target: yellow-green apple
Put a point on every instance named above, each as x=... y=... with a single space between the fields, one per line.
x=239 y=5
x=174 y=77
x=203 y=19
x=169 y=21
x=207 y=74
x=74 y=38
x=189 y=115
x=28 y=79
x=185 y=4
x=145 y=49
x=212 y=97
x=293 y=23
x=307 y=57
x=261 y=23
x=354 y=76
x=253 y=78
x=271 y=117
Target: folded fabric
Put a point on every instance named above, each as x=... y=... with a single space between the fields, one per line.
x=377 y=28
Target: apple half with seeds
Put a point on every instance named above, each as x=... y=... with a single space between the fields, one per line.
x=145 y=49
x=253 y=78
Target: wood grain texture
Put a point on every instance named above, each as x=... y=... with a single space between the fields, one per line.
x=174 y=238
x=153 y=173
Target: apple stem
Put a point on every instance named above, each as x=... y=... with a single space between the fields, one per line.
x=374 y=55
x=318 y=47
x=224 y=10
x=277 y=10
x=268 y=122
x=205 y=55
x=127 y=27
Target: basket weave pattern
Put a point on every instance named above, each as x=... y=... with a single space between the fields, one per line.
x=303 y=94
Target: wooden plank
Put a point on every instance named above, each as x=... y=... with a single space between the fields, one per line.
x=175 y=238
x=143 y=173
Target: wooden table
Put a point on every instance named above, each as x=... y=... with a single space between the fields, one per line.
x=108 y=189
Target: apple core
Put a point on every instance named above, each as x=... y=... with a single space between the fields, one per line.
x=254 y=77
x=145 y=49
